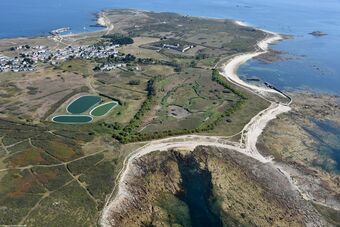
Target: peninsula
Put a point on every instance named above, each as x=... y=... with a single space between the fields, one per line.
x=146 y=123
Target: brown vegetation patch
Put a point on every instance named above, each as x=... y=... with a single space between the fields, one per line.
x=29 y=156
x=46 y=176
x=22 y=187
x=61 y=150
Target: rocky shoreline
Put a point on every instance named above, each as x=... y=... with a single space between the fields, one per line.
x=137 y=192
x=236 y=180
x=305 y=150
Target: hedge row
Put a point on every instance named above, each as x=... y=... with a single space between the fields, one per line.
x=127 y=134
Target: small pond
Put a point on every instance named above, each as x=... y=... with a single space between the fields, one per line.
x=82 y=104
x=103 y=109
x=72 y=119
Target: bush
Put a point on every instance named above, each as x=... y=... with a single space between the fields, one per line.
x=134 y=82
x=119 y=39
x=128 y=134
x=216 y=76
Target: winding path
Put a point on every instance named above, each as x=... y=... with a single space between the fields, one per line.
x=247 y=144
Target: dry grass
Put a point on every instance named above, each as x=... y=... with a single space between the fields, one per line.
x=135 y=49
x=48 y=86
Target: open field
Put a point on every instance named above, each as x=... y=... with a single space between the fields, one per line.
x=194 y=91
x=30 y=95
x=183 y=81
x=47 y=172
x=50 y=173
x=135 y=49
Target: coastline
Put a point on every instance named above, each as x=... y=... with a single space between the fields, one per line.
x=188 y=142
x=278 y=145
x=247 y=144
x=229 y=69
x=103 y=21
x=249 y=134
x=241 y=23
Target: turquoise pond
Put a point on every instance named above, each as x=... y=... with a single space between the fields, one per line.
x=83 y=104
x=103 y=109
x=72 y=119
x=84 y=109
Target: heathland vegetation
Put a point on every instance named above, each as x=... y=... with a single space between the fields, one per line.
x=164 y=80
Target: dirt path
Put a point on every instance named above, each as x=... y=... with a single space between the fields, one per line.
x=247 y=144
x=81 y=184
x=51 y=165
x=105 y=22
x=255 y=127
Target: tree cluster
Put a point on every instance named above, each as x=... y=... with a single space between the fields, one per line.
x=118 y=39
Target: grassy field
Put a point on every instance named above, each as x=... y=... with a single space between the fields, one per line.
x=135 y=48
x=52 y=174
x=78 y=66
x=194 y=91
x=183 y=83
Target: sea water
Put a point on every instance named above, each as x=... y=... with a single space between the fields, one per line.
x=314 y=62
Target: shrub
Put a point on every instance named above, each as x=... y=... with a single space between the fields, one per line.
x=134 y=82
x=119 y=39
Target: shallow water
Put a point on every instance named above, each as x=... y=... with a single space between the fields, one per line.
x=314 y=64
x=313 y=61
x=327 y=138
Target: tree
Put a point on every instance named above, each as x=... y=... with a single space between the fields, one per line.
x=119 y=39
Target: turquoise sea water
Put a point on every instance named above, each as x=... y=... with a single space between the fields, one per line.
x=314 y=63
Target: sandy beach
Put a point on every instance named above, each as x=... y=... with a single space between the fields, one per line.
x=105 y=22
x=229 y=70
x=241 y=23
x=247 y=144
